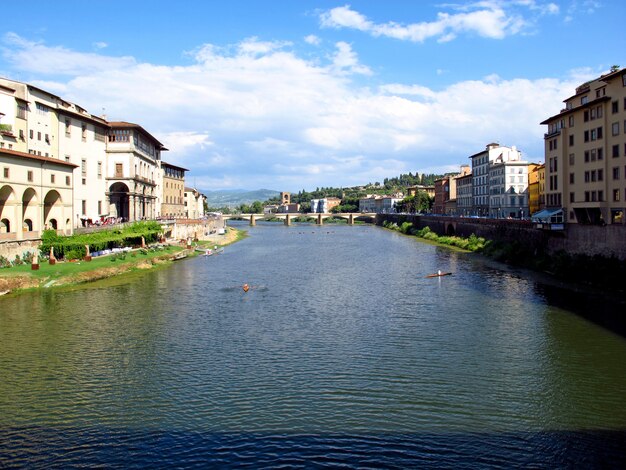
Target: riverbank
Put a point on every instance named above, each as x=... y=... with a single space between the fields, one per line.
x=19 y=279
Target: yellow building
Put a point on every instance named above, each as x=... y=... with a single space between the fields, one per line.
x=585 y=153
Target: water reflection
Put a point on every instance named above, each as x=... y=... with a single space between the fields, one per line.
x=345 y=354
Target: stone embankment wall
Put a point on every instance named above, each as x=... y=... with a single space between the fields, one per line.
x=196 y=229
x=608 y=240
x=10 y=249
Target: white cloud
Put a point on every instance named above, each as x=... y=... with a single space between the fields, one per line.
x=313 y=40
x=256 y=114
x=494 y=19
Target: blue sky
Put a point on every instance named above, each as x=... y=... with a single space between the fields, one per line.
x=291 y=95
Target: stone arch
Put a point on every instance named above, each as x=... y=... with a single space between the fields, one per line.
x=30 y=210
x=7 y=214
x=119 y=197
x=450 y=229
x=52 y=209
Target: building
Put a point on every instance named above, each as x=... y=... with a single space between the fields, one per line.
x=132 y=174
x=412 y=190
x=585 y=153
x=194 y=203
x=35 y=195
x=480 y=173
x=324 y=205
x=534 y=188
x=446 y=192
x=464 y=195
x=379 y=204
x=46 y=125
x=508 y=189
x=172 y=198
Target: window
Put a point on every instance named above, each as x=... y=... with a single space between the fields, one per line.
x=29 y=176
x=67 y=181
x=21 y=111
x=52 y=178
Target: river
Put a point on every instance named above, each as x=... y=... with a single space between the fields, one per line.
x=341 y=354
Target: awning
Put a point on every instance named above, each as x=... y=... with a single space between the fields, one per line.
x=548 y=216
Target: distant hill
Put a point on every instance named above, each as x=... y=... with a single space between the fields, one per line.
x=235 y=197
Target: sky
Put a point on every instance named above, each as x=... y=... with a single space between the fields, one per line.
x=294 y=95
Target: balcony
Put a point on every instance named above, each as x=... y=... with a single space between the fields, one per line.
x=7 y=130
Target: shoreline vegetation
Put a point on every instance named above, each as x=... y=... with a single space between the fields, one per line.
x=76 y=270
x=606 y=273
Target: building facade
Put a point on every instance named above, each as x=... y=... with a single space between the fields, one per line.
x=194 y=203
x=173 y=197
x=35 y=195
x=585 y=153
x=133 y=166
x=480 y=173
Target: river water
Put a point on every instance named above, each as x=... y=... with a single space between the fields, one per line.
x=341 y=354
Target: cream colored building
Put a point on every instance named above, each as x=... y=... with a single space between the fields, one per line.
x=173 y=195
x=132 y=172
x=194 y=203
x=35 y=194
x=46 y=125
x=585 y=149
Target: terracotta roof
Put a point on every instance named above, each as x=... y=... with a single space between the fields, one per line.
x=126 y=125
x=30 y=156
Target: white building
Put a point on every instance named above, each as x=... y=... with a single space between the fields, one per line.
x=508 y=189
x=379 y=204
x=194 y=203
x=480 y=173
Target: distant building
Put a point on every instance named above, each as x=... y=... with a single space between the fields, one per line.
x=194 y=203
x=534 y=188
x=480 y=173
x=324 y=205
x=379 y=204
x=464 y=195
x=173 y=191
x=412 y=190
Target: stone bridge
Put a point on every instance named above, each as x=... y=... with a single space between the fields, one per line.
x=351 y=217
